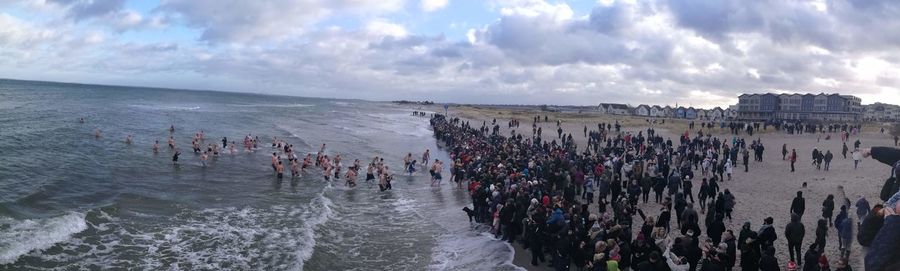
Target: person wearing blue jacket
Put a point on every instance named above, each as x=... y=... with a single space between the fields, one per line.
x=884 y=252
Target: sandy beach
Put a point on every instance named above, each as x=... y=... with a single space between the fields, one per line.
x=765 y=190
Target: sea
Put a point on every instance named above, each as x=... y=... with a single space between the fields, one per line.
x=70 y=201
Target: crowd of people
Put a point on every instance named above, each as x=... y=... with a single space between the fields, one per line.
x=539 y=192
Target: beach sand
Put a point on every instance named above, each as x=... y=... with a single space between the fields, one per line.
x=766 y=190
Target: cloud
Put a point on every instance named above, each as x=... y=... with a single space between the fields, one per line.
x=247 y=21
x=701 y=53
x=432 y=5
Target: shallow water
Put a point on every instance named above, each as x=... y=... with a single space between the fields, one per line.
x=70 y=201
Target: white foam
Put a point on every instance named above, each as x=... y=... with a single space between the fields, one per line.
x=274 y=105
x=19 y=237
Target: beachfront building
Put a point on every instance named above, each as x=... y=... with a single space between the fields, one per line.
x=881 y=112
x=731 y=112
x=615 y=109
x=679 y=112
x=690 y=113
x=702 y=113
x=668 y=112
x=657 y=111
x=642 y=110
x=795 y=106
x=715 y=113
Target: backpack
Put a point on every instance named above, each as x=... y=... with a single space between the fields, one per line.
x=891 y=186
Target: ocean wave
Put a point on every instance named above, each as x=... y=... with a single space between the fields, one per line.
x=273 y=105
x=166 y=107
x=454 y=252
x=19 y=237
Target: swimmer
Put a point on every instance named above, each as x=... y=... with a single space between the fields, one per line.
x=411 y=167
x=436 y=176
x=156 y=147
x=406 y=160
x=97 y=133
x=128 y=139
x=306 y=162
x=203 y=158
x=337 y=167
x=351 y=178
x=175 y=157
x=231 y=148
x=225 y=142
x=370 y=173
x=275 y=161
x=172 y=128
x=385 y=180
x=425 y=157
x=81 y=120
x=171 y=142
x=295 y=168
x=280 y=170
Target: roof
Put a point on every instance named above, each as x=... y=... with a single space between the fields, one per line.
x=614 y=106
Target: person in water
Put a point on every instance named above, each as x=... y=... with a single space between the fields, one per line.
x=425 y=157
x=280 y=170
x=128 y=139
x=97 y=133
x=156 y=147
x=175 y=157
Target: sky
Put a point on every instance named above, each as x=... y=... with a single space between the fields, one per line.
x=576 y=52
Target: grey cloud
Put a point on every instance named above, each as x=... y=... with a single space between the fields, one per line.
x=84 y=9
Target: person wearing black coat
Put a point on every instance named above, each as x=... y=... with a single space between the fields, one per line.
x=798 y=206
x=821 y=233
x=730 y=250
x=750 y=253
x=828 y=209
x=794 y=232
x=768 y=261
x=715 y=230
x=767 y=235
x=655 y=262
x=870 y=226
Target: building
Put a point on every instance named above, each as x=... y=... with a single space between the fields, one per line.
x=715 y=114
x=668 y=112
x=615 y=109
x=642 y=110
x=702 y=114
x=881 y=112
x=657 y=111
x=731 y=113
x=821 y=107
x=690 y=113
x=680 y=112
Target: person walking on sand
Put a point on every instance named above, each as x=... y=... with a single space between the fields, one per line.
x=793 y=158
x=784 y=151
x=857 y=156
x=827 y=158
x=798 y=205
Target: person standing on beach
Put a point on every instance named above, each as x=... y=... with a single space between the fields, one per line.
x=857 y=156
x=784 y=151
x=746 y=159
x=794 y=232
x=828 y=209
x=844 y=150
x=798 y=205
x=827 y=158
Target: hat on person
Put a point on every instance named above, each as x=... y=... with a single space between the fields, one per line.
x=823 y=261
x=792 y=266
